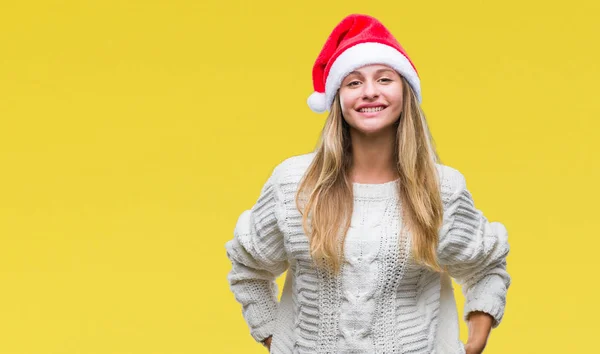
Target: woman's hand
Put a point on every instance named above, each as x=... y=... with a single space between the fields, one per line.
x=267 y=342
x=480 y=325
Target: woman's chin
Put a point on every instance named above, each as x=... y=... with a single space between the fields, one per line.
x=372 y=129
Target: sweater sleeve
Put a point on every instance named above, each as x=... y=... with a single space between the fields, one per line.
x=257 y=257
x=473 y=249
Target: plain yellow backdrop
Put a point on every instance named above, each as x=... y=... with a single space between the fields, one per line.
x=134 y=133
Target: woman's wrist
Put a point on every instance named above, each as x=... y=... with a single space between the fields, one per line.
x=480 y=325
x=267 y=342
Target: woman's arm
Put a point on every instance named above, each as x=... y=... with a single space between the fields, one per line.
x=474 y=251
x=480 y=326
x=257 y=257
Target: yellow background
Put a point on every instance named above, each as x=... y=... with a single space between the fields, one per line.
x=134 y=133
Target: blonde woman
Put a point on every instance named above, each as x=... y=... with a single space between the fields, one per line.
x=370 y=226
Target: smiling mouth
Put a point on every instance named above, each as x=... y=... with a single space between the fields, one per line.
x=371 y=109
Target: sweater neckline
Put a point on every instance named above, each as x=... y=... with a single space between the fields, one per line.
x=375 y=190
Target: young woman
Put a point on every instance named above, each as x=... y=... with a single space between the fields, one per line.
x=369 y=226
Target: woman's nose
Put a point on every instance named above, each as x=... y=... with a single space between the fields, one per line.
x=370 y=90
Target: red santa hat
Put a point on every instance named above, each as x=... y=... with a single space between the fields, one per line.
x=358 y=40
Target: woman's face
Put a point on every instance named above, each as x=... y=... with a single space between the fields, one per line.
x=371 y=98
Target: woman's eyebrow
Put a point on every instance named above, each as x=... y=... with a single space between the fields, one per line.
x=384 y=70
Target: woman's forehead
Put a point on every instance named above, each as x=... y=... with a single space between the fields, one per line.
x=372 y=69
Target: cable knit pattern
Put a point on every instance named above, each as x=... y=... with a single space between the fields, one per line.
x=382 y=301
x=361 y=271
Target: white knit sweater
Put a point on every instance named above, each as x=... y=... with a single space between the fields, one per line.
x=382 y=301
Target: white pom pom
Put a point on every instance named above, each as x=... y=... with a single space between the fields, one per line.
x=316 y=102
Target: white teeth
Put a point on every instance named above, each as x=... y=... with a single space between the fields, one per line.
x=371 y=109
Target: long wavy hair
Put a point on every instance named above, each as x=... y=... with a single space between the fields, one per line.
x=325 y=193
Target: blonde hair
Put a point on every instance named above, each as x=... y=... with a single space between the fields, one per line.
x=326 y=190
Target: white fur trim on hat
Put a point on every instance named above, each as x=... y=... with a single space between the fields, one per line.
x=316 y=102
x=365 y=54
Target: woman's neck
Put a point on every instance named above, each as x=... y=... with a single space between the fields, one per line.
x=373 y=159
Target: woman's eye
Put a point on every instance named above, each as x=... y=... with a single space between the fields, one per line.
x=385 y=79
x=353 y=83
